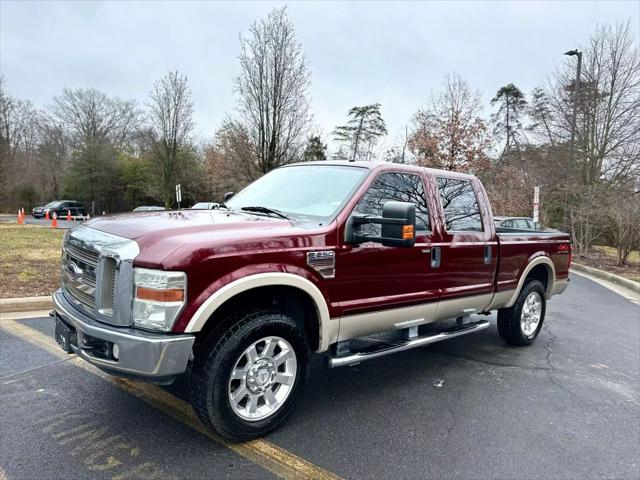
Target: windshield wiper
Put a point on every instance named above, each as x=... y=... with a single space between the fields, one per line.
x=267 y=210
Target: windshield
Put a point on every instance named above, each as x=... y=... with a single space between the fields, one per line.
x=52 y=204
x=306 y=192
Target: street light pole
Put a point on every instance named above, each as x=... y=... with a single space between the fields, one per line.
x=576 y=93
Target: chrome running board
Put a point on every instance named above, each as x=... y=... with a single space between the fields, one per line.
x=412 y=342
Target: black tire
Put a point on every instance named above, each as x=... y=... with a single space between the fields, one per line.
x=509 y=324
x=209 y=374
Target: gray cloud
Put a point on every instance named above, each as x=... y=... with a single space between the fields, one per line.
x=394 y=53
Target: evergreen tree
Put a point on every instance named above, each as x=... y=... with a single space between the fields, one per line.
x=315 y=149
x=362 y=131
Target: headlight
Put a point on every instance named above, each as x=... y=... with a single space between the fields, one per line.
x=159 y=297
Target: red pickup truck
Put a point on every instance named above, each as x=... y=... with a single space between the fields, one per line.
x=353 y=260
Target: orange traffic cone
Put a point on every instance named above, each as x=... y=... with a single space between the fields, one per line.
x=68 y=215
x=20 y=219
x=46 y=215
x=54 y=223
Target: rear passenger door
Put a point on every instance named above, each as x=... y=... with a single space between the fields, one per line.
x=469 y=249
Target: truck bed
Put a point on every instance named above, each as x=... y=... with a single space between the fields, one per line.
x=518 y=247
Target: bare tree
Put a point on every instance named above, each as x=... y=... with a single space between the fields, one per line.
x=90 y=116
x=450 y=132
x=362 y=131
x=622 y=212
x=608 y=125
x=234 y=143
x=273 y=87
x=18 y=144
x=53 y=155
x=171 y=118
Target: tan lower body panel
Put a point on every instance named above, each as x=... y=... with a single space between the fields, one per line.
x=353 y=326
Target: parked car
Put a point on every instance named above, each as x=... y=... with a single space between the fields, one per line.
x=60 y=208
x=519 y=223
x=205 y=206
x=310 y=258
x=148 y=208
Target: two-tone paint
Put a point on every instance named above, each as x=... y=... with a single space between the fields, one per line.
x=375 y=288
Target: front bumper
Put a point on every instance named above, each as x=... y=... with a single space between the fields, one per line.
x=154 y=357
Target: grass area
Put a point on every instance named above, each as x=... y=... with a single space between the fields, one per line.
x=29 y=260
x=606 y=258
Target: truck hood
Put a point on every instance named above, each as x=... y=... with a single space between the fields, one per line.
x=171 y=240
x=148 y=227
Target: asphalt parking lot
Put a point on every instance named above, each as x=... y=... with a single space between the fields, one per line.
x=62 y=223
x=471 y=407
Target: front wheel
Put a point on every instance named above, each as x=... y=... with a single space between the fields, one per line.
x=520 y=324
x=246 y=382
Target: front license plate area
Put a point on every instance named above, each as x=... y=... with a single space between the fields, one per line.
x=66 y=336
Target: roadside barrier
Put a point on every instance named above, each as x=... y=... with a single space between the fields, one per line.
x=54 y=222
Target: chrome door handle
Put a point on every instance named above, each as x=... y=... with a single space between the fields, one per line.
x=487 y=254
x=436 y=255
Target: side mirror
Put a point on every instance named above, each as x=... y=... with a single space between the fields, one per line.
x=398 y=226
x=228 y=195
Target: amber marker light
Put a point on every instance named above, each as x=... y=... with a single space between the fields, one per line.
x=407 y=232
x=160 y=295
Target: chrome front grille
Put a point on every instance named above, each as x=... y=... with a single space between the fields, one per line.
x=97 y=273
x=79 y=274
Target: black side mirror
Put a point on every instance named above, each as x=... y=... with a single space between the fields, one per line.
x=228 y=195
x=398 y=226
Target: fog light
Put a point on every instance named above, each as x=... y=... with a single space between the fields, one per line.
x=115 y=351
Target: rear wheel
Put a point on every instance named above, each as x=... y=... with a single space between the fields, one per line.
x=247 y=381
x=520 y=324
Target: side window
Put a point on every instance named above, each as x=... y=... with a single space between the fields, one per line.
x=508 y=224
x=400 y=187
x=522 y=224
x=461 y=209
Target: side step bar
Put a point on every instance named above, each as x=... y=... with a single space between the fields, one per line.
x=389 y=348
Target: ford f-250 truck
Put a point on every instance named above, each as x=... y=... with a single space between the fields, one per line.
x=313 y=257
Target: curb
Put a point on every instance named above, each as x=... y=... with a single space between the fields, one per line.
x=26 y=304
x=618 y=280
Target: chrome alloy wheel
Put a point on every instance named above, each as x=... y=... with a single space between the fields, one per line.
x=531 y=314
x=262 y=378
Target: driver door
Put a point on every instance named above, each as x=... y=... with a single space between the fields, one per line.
x=371 y=277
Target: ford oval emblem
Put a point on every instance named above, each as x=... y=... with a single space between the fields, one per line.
x=74 y=271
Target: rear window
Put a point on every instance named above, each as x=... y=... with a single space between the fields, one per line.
x=460 y=205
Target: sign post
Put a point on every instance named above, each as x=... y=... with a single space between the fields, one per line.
x=178 y=195
x=536 y=204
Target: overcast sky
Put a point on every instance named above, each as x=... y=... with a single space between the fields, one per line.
x=359 y=52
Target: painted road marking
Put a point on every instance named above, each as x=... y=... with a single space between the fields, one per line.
x=267 y=455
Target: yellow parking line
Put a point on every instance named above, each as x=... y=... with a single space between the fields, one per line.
x=277 y=460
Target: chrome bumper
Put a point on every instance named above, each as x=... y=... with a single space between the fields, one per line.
x=154 y=357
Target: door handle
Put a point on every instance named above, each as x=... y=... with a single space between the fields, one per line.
x=487 y=254
x=436 y=255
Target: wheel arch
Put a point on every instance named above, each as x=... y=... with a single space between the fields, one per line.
x=292 y=291
x=540 y=268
